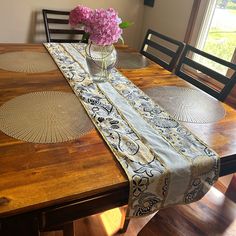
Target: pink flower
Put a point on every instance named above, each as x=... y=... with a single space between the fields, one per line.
x=80 y=15
x=104 y=27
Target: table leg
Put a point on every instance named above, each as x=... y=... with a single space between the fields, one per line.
x=231 y=190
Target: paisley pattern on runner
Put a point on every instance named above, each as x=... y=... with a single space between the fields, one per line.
x=151 y=172
x=176 y=134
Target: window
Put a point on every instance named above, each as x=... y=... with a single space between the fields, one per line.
x=218 y=33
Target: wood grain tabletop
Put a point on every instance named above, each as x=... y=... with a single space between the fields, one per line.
x=35 y=176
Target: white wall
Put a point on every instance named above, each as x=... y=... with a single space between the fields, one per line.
x=171 y=18
x=21 y=20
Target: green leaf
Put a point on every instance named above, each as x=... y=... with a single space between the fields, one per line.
x=125 y=24
x=85 y=37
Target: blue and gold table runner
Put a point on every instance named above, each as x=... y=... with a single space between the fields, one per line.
x=165 y=163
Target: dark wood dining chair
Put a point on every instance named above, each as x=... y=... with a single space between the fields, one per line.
x=203 y=77
x=161 y=49
x=57 y=27
x=214 y=214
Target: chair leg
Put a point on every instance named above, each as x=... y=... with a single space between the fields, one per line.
x=68 y=229
x=124 y=222
x=231 y=190
x=124 y=227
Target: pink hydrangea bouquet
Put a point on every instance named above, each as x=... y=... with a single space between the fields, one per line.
x=102 y=26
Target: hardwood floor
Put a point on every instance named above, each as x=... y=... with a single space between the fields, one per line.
x=213 y=215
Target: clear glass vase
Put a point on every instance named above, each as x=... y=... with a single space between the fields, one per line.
x=100 y=61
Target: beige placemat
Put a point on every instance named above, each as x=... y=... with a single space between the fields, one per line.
x=44 y=117
x=127 y=60
x=186 y=104
x=28 y=62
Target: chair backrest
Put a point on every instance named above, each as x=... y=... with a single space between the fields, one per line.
x=203 y=77
x=161 y=49
x=57 y=27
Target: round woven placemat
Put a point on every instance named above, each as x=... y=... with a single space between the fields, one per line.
x=188 y=105
x=44 y=117
x=28 y=62
x=131 y=60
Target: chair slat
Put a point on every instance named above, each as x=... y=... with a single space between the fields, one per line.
x=57 y=21
x=65 y=31
x=155 y=59
x=213 y=58
x=200 y=85
x=54 y=12
x=65 y=40
x=162 y=49
x=166 y=38
x=219 y=77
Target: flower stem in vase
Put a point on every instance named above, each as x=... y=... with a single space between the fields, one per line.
x=100 y=61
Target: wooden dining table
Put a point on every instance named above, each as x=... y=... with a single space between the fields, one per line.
x=43 y=186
